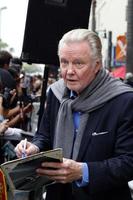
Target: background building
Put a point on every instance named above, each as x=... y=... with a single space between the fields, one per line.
x=108 y=18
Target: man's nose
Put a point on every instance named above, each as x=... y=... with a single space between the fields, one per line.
x=70 y=68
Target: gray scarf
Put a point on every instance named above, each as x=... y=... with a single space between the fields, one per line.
x=103 y=88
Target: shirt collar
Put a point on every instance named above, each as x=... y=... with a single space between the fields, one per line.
x=73 y=94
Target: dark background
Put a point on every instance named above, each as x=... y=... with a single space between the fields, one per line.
x=46 y=22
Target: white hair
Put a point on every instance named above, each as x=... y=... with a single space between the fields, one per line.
x=78 y=35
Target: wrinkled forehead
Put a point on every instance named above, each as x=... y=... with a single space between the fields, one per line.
x=74 y=45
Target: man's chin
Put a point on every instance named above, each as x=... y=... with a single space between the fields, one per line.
x=70 y=87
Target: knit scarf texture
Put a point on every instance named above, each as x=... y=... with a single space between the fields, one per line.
x=102 y=89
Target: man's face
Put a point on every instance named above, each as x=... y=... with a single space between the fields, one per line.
x=78 y=69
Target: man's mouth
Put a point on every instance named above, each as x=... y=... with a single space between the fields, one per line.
x=71 y=80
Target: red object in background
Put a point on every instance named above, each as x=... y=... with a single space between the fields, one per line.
x=3 y=191
x=119 y=72
x=121 y=48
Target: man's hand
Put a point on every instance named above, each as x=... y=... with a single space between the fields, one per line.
x=65 y=172
x=30 y=149
x=1 y=106
x=3 y=126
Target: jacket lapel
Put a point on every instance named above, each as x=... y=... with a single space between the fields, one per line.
x=91 y=127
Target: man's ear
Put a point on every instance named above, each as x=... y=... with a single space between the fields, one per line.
x=97 y=66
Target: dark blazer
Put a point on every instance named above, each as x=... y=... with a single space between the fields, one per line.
x=107 y=147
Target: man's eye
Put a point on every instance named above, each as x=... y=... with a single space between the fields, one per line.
x=78 y=64
x=64 y=63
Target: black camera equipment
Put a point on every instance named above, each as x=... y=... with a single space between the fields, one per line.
x=6 y=97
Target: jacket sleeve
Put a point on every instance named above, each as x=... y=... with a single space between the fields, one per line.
x=44 y=136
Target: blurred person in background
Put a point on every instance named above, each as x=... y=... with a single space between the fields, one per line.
x=16 y=63
x=5 y=77
x=129 y=78
x=5 y=58
x=10 y=77
x=12 y=114
x=37 y=85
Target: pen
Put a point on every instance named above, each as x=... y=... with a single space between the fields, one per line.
x=24 y=148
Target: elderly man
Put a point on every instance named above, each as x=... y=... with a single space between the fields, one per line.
x=89 y=115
